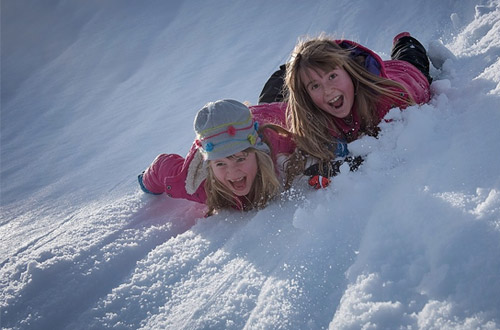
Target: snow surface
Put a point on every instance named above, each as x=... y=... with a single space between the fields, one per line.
x=93 y=90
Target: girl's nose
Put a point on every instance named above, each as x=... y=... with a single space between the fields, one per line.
x=329 y=90
x=232 y=168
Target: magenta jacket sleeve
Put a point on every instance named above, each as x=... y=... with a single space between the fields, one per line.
x=270 y=113
x=411 y=78
x=163 y=166
x=168 y=174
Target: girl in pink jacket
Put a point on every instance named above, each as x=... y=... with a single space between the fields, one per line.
x=232 y=163
x=340 y=90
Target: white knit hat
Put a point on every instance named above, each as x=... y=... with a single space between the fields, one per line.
x=223 y=128
x=226 y=127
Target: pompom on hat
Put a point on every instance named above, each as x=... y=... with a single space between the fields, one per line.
x=226 y=127
x=222 y=128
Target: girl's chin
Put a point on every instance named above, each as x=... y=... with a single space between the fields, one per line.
x=240 y=193
x=338 y=113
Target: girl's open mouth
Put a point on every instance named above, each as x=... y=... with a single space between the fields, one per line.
x=239 y=184
x=337 y=102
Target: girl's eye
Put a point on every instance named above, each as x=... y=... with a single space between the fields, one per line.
x=314 y=86
x=332 y=76
x=219 y=164
x=240 y=159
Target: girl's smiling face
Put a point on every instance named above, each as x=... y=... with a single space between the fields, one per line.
x=237 y=172
x=332 y=92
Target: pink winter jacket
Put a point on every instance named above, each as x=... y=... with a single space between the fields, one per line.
x=177 y=176
x=400 y=71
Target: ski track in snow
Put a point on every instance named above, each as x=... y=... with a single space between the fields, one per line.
x=410 y=241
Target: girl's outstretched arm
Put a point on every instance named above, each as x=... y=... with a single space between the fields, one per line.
x=171 y=173
x=152 y=179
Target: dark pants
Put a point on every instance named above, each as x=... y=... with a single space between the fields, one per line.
x=411 y=50
x=406 y=49
x=273 y=90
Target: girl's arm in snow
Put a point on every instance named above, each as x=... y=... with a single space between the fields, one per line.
x=168 y=174
x=152 y=180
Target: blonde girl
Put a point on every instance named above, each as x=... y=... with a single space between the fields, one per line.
x=233 y=163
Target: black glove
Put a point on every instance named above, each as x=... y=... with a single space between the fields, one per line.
x=329 y=169
x=354 y=162
x=332 y=168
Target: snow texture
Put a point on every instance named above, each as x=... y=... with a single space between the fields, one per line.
x=93 y=90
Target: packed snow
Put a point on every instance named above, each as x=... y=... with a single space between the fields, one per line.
x=93 y=90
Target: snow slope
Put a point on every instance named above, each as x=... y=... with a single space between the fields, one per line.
x=92 y=91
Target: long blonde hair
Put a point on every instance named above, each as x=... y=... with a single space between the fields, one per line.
x=309 y=123
x=264 y=188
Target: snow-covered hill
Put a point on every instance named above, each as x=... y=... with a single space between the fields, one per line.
x=92 y=91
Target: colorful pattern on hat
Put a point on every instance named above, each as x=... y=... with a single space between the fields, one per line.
x=224 y=128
